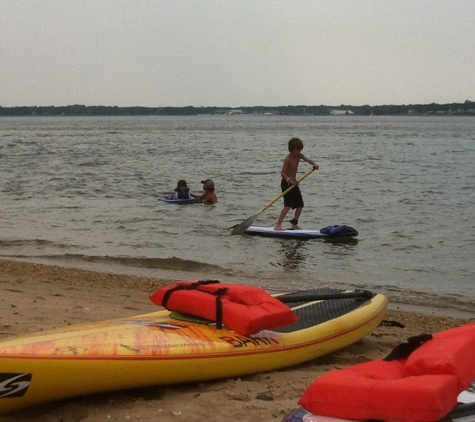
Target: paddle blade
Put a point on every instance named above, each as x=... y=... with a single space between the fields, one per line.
x=242 y=227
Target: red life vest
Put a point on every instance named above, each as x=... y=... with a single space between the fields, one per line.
x=421 y=387
x=246 y=310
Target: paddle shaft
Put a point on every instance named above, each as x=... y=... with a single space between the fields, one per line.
x=308 y=297
x=459 y=411
x=287 y=190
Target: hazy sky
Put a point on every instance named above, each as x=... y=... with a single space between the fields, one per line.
x=236 y=52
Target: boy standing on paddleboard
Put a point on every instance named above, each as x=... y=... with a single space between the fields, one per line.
x=292 y=199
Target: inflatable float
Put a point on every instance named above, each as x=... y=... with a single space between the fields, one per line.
x=166 y=347
x=180 y=201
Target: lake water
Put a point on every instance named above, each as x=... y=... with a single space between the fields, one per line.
x=83 y=192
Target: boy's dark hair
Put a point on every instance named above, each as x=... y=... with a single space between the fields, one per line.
x=182 y=183
x=295 y=143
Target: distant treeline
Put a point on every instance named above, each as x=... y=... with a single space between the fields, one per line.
x=465 y=108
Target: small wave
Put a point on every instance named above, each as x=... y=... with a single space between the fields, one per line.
x=19 y=243
x=366 y=220
x=172 y=264
x=448 y=305
x=166 y=264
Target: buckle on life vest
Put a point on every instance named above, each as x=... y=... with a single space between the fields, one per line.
x=196 y=286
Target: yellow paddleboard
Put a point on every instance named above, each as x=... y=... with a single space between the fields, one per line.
x=154 y=349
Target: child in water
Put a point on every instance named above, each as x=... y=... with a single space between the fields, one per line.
x=209 y=197
x=292 y=199
x=181 y=191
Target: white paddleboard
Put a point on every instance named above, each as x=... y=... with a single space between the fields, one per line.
x=327 y=232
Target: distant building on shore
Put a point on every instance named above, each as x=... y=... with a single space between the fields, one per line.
x=341 y=112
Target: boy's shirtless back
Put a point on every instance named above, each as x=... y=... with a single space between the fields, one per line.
x=291 y=165
x=293 y=199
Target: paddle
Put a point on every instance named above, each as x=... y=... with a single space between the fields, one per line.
x=460 y=411
x=241 y=227
x=306 y=296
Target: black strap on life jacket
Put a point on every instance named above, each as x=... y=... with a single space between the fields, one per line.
x=196 y=286
x=403 y=350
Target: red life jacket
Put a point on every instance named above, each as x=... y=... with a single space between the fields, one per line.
x=246 y=310
x=421 y=387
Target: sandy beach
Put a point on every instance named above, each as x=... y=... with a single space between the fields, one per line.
x=39 y=297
